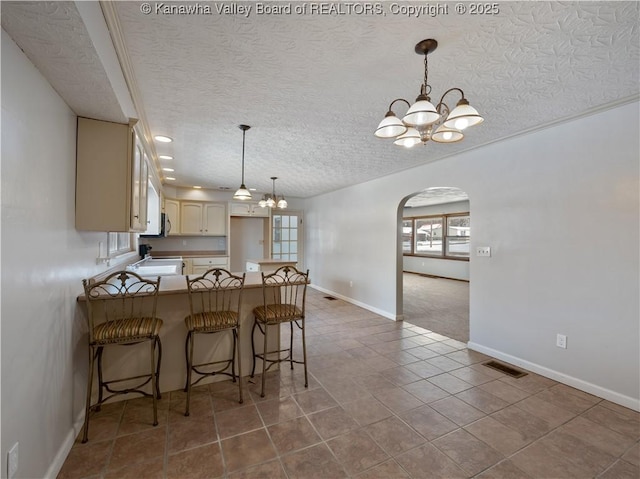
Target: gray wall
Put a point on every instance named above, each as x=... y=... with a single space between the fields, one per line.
x=559 y=208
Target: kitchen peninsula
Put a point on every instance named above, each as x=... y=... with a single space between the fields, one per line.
x=173 y=306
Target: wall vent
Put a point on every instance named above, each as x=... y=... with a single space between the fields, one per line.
x=503 y=368
x=330 y=298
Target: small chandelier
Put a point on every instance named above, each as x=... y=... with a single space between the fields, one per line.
x=242 y=193
x=423 y=121
x=272 y=200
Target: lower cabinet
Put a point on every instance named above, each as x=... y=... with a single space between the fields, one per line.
x=198 y=266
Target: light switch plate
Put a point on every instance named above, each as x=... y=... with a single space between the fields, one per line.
x=483 y=251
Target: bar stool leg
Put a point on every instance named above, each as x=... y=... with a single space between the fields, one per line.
x=236 y=332
x=304 y=354
x=291 y=345
x=87 y=408
x=253 y=348
x=152 y=350
x=264 y=358
x=159 y=362
x=190 y=341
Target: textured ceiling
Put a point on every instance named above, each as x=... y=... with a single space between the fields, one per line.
x=314 y=87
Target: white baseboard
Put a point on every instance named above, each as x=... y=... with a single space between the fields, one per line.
x=621 y=399
x=65 y=447
x=380 y=312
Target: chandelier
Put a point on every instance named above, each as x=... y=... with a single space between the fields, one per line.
x=272 y=200
x=242 y=193
x=424 y=121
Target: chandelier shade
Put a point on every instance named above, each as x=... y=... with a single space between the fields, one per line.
x=272 y=201
x=425 y=121
x=242 y=193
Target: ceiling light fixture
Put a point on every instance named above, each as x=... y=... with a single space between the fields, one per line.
x=163 y=139
x=242 y=193
x=424 y=121
x=165 y=157
x=272 y=200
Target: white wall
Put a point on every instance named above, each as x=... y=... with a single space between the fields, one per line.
x=44 y=351
x=447 y=268
x=559 y=208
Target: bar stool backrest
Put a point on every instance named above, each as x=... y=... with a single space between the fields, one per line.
x=215 y=291
x=121 y=295
x=287 y=288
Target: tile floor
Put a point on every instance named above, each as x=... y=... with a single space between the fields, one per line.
x=385 y=400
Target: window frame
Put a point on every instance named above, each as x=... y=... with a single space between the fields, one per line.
x=444 y=218
x=117 y=237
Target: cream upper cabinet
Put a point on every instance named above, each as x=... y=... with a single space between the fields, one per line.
x=207 y=219
x=111 y=177
x=172 y=210
x=248 y=209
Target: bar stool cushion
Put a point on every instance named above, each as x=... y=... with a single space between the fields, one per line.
x=209 y=321
x=277 y=313
x=125 y=330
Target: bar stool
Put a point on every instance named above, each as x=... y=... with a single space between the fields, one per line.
x=122 y=312
x=214 y=302
x=284 y=296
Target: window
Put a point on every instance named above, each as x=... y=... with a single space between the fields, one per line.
x=118 y=243
x=441 y=236
x=285 y=237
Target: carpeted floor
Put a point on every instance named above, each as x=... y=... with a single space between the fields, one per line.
x=438 y=304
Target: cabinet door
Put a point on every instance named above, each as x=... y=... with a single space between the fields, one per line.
x=240 y=209
x=136 y=167
x=172 y=210
x=144 y=191
x=215 y=219
x=191 y=218
x=256 y=210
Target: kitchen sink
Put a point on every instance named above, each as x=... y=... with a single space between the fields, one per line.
x=157 y=266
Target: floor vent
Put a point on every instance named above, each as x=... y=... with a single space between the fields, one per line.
x=330 y=298
x=503 y=368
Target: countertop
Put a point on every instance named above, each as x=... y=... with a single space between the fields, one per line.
x=271 y=261
x=188 y=254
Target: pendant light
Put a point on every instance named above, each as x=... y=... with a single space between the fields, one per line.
x=272 y=200
x=243 y=193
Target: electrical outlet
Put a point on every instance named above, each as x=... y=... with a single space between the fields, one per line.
x=351 y=284
x=561 y=341
x=12 y=461
x=483 y=251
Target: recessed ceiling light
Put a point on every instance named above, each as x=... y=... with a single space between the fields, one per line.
x=252 y=189
x=168 y=169
x=170 y=178
x=163 y=139
x=197 y=187
x=165 y=157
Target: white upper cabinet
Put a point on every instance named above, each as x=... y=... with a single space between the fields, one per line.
x=248 y=209
x=111 y=177
x=207 y=219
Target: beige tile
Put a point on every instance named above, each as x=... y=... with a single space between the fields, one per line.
x=400 y=375
x=394 y=436
x=503 y=391
x=503 y=470
x=316 y=462
x=344 y=389
x=397 y=399
x=472 y=376
x=562 y=455
x=104 y=424
x=621 y=470
x=467 y=356
x=618 y=421
x=457 y=411
x=566 y=398
x=445 y=363
x=598 y=436
x=268 y=470
x=482 y=400
x=426 y=391
x=553 y=415
x=356 y=451
x=199 y=463
x=429 y=423
x=190 y=433
x=449 y=383
x=387 y=470
x=423 y=352
x=530 y=426
x=247 y=449
x=278 y=410
x=500 y=437
x=138 y=447
x=424 y=369
x=232 y=422
x=427 y=458
x=332 y=422
x=467 y=451
x=531 y=383
x=366 y=410
x=633 y=454
x=314 y=400
x=293 y=435
x=153 y=469
x=86 y=459
x=633 y=415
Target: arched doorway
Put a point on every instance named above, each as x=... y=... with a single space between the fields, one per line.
x=433 y=276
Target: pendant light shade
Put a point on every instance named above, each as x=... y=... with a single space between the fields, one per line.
x=390 y=126
x=242 y=193
x=443 y=134
x=463 y=116
x=272 y=201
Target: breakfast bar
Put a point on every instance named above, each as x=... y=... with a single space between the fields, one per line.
x=172 y=308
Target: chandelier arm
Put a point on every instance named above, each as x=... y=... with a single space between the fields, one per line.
x=398 y=99
x=448 y=91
